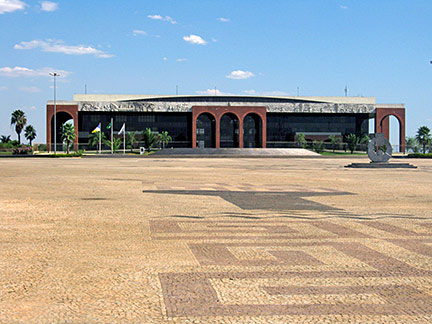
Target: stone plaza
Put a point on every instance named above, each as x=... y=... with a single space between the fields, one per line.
x=214 y=240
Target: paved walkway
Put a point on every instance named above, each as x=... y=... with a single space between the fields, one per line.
x=214 y=241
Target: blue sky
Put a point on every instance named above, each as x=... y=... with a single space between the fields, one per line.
x=375 y=48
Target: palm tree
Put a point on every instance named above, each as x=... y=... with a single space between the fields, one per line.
x=5 y=138
x=131 y=140
x=30 y=133
x=364 y=140
x=164 y=138
x=301 y=140
x=412 y=144
x=352 y=141
x=19 y=119
x=423 y=136
x=68 y=134
x=149 y=138
x=93 y=140
x=117 y=142
x=334 y=140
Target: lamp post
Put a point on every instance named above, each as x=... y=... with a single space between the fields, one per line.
x=54 y=75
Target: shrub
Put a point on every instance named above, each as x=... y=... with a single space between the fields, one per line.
x=61 y=155
x=420 y=155
x=42 y=147
x=23 y=150
x=318 y=146
x=15 y=143
x=352 y=141
x=6 y=147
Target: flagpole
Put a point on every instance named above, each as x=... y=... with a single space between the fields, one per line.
x=112 y=148
x=124 y=140
x=100 y=140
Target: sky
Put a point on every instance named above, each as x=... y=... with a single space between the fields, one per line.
x=374 y=48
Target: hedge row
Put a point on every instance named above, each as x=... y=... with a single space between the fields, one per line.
x=420 y=155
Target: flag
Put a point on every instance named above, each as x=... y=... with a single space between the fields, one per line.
x=97 y=129
x=109 y=126
x=122 y=130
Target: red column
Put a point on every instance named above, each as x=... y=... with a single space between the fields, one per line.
x=217 y=130
x=264 y=130
x=194 y=118
x=241 y=131
x=385 y=127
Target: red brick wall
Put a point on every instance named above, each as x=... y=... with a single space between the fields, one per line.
x=71 y=110
x=239 y=111
x=382 y=123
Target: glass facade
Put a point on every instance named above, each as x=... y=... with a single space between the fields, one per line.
x=205 y=128
x=229 y=131
x=178 y=125
x=252 y=129
x=283 y=127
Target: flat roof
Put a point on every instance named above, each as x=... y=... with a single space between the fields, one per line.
x=125 y=97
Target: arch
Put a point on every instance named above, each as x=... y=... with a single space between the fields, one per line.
x=252 y=131
x=206 y=130
x=382 y=121
x=62 y=117
x=229 y=130
x=385 y=128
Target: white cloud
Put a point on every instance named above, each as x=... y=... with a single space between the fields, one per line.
x=31 y=89
x=223 y=19
x=18 y=71
x=213 y=92
x=239 y=74
x=214 y=40
x=164 y=58
x=181 y=60
x=194 y=39
x=3 y=88
x=266 y=93
x=58 y=46
x=139 y=32
x=250 y=92
x=11 y=6
x=343 y=7
x=49 y=6
x=159 y=17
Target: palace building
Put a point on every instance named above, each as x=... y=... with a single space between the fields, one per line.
x=226 y=121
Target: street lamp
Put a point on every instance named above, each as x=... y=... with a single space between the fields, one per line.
x=55 y=74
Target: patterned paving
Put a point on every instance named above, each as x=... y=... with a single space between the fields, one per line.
x=300 y=268
x=205 y=241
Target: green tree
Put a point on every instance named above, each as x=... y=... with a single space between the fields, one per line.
x=93 y=140
x=352 y=141
x=30 y=133
x=149 y=138
x=423 y=136
x=5 y=138
x=117 y=142
x=68 y=135
x=364 y=141
x=164 y=138
x=131 y=140
x=318 y=146
x=19 y=119
x=301 y=140
x=412 y=144
x=334 y=140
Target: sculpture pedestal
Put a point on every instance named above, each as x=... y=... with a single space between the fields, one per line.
x=381 y=165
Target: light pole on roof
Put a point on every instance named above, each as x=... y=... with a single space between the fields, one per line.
x=55 y=74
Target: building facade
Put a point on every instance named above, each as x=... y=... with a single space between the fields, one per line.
x=227 y=121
